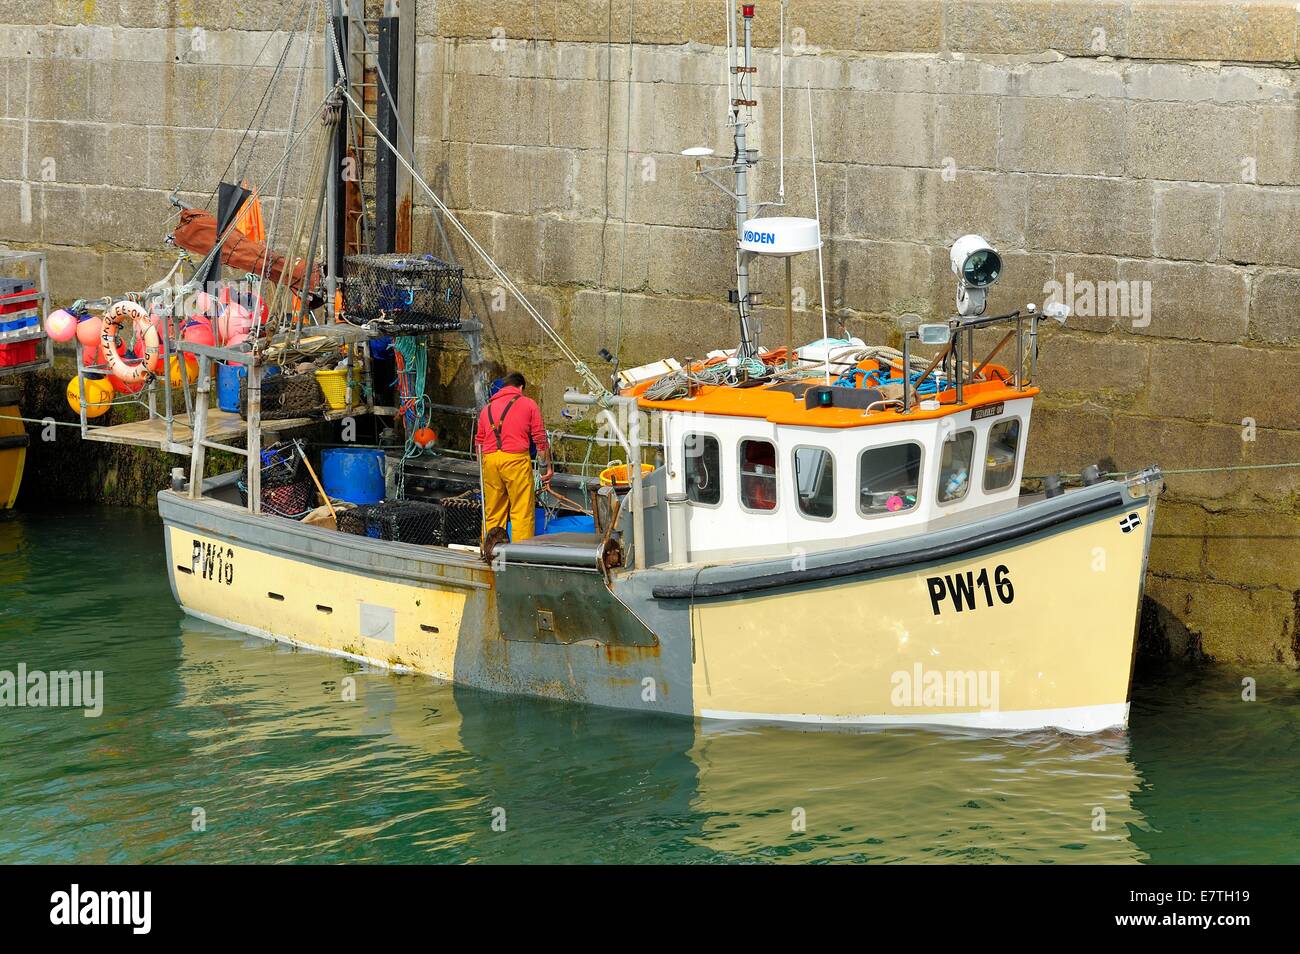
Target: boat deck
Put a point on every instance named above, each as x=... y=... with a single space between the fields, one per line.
x=152 y=432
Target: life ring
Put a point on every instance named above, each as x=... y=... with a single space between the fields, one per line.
x=116 y=316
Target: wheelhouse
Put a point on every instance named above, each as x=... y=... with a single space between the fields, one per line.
x=770 y=468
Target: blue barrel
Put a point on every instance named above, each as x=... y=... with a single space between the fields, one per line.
x=228 y=377
x=354 y=474
x=574 y=523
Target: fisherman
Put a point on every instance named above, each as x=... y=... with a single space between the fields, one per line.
x=509 y=426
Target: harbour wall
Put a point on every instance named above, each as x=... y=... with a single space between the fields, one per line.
x=1141 y=159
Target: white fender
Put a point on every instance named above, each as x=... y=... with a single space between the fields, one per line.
x=117 y=316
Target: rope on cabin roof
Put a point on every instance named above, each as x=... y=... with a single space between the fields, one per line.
x=677 y=384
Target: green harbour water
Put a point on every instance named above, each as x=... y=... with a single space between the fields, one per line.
x=259 y=738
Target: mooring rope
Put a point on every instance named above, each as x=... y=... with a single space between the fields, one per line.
x=1180 y=470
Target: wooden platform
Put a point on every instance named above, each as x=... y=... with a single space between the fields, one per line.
x=223 y=426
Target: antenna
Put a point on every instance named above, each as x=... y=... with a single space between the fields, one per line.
x=740 y=106
x=780 y=69
x=817 y=212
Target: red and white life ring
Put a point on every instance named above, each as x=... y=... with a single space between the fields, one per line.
x=117 y=316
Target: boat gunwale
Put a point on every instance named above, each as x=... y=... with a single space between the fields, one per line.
x=832 y=565
x=179 y=510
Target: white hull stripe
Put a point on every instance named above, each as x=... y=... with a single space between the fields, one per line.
x=1072 y=719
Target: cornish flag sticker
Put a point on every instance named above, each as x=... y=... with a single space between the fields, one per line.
x=1129 y=522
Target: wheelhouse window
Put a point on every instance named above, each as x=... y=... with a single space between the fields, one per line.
x=889 y=479
x=757 y=475
x=1000 y=461
x=955 y=458
x=814 y=481
x=703 y=466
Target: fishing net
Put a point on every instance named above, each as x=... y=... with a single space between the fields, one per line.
x=411 y=295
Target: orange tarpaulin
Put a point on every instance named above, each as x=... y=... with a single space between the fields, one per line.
x=249 y=221
x=197 y=233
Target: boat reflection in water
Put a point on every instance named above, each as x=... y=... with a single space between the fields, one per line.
x=416 y=770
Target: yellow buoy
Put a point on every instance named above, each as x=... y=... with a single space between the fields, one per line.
x=99 y=396
x=174 y=369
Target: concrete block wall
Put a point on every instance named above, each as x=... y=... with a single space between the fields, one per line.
x=1096 y=143
x=106 y=108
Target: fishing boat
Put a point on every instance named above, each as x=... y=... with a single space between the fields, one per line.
x=24 y=348
x=832 y=533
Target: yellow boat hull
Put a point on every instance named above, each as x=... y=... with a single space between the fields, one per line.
x=12 y=459
x=1036 y=633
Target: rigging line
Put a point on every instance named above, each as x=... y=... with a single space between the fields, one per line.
x=284 y=7
x=627 y=161
x=273 y=235
x=1183 y=470
x=568 y=353
x=318 y=161
x=406 y=138
x=270 y=84
x=230 y=229
x=310 y=10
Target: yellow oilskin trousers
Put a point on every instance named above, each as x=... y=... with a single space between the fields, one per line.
x=508 y=493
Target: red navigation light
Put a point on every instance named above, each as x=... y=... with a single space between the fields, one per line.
x=747 y=11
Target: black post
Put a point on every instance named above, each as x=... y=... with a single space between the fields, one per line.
x=385 y=161
x=338 y=153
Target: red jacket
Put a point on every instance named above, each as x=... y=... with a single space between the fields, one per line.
x=518 y=425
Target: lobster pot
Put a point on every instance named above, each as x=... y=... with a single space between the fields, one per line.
x=409 y=521
x=292 y=500
x=281 y=465
x=401 y=521
x=286 y=492
x=414 y=294
x=464 y=519
x=285 y=396
x=357 y=521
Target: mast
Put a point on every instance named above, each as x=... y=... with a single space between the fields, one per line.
x=741 y=116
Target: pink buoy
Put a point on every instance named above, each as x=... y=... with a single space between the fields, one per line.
x=203 y=305
x=235 y=321
x=894 y=504
x=88 y=330
x=61 y=326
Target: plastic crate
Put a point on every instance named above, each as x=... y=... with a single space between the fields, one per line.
x=23 y=352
